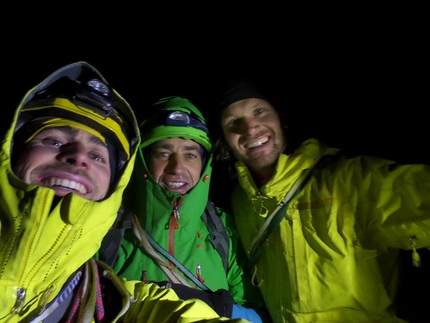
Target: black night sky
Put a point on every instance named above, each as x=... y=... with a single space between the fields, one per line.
x=360 y=80
x=355 y=76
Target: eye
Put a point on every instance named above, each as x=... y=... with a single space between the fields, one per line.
x=230 y=122
x=160 y=155
x=98 y=158
x=52 y=142
x=259 y=111
x=191 y=156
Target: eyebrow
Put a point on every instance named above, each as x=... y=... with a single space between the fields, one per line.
x=74 y=131
x=97 y=141
x=170 y=147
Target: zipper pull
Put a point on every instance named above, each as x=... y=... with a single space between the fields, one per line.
x=175 y=213
x=260 y=198
x=173 y=221
x=175 y=218
x=20 y=297
x=416 y=259
x=262 y=209
x=199 y=274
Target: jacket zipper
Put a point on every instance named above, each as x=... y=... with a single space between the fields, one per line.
x=35 y=233
x=174 y=225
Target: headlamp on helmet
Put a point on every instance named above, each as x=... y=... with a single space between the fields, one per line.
x=179 y=118
x=175 y=118
x=78 y=96
x=90 y=103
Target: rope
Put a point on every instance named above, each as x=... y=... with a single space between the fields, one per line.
x=140 y=234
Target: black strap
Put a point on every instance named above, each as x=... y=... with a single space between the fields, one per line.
x=111 y=243
x=280 y=213
x=217 y=231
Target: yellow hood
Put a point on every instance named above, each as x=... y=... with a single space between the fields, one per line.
x=40 y=248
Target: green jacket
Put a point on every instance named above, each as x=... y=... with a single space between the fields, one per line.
x=184 y=235
x=333 y=257
x=41 y=249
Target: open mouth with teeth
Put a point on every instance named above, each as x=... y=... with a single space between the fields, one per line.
x=176 y=184
x=257 y=143
x=65 y=183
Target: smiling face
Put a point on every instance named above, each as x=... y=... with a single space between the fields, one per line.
x=68 y=160
x=252 y=130
x=175 y=164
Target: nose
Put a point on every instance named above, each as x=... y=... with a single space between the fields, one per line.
x=249 y=125
x=75 y=154
x=174 y=165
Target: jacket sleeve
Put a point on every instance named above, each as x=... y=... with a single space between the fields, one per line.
x=161 y=305
x=392 y=201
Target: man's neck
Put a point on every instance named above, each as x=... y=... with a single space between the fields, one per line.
x=263 y=175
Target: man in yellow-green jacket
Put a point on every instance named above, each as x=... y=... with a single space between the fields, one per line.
x=323 y=231
x=65 y=162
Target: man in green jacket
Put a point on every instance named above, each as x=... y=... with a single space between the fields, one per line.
x=169 y=193
x=65 y=163
x=323 y=230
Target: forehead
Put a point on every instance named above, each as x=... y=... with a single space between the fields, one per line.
x=171 y=143
x=71 y=133
x=243 y=106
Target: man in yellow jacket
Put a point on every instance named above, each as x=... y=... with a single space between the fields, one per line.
x=65 y=162
x=323 y=231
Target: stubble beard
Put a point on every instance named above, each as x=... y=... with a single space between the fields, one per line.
x=264 y=165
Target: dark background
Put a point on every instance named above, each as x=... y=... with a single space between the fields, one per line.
x=356 y=76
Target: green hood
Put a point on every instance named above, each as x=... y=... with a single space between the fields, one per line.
x=155 y=203
x=187 y=123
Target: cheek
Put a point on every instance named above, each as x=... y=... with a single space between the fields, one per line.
x=194 y=169
x=273 y=121
x=195 y=173
x=230 y=137
x=280 y=133
x=155 y=170
x=30 y=160
x=103 y=179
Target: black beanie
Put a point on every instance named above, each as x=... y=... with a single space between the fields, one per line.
x=241 y=92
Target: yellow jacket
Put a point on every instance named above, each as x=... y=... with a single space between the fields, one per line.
x=333 y=257
x=40 y=249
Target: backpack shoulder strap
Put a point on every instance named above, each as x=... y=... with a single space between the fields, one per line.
x=111 y=243
x=217 y=231
x=273 y=220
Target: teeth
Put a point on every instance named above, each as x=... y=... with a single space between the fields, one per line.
x=257 y=143
x=176 y=184
x=67 y=184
